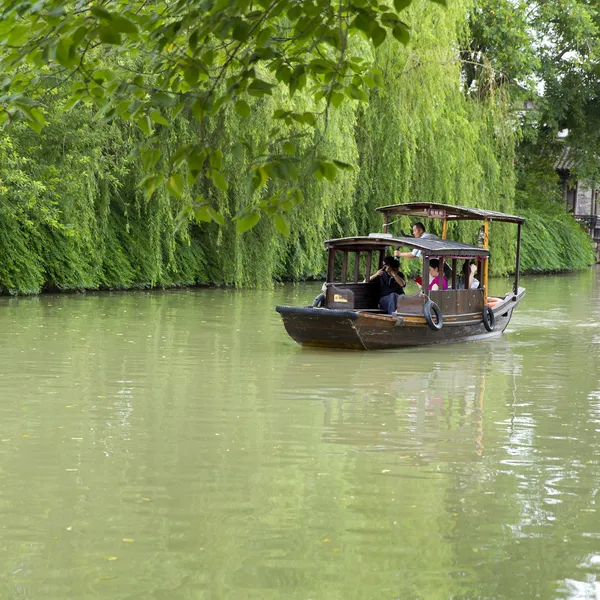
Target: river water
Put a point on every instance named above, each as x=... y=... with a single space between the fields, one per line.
x=178 y=445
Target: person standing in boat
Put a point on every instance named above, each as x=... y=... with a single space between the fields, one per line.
x=391 y=284
x=418 y=230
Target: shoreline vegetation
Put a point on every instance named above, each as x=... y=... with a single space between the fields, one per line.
x=74 y=217
x=566 y=249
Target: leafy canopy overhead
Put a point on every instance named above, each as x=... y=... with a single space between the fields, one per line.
x=153 y=62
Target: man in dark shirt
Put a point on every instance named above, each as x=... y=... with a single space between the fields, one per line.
x=391 y=284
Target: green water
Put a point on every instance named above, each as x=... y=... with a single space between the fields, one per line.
x=178 y=445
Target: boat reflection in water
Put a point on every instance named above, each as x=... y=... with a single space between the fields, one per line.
x=431 y=405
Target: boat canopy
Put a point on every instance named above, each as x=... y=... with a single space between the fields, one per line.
x=430 y=246
x=431 y=210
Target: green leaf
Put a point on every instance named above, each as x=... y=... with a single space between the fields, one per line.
x=35 y=126
x=401 y=4
x=64 y=56
x=180 y=155
x=283 y=73
x=216 y=159
x=260 y=88
x=198 y=109
x=217 y=217
x=144 y=124
x=72 y=102
x=196 y=157
x=150 y=183
x=163 y=100
x=356 y=93
x=237 y=151
x=218 y=103
x=309 y=118
x=259 y=177
x=242 y=108
x=57 y=11
x=158 y=118
x=202 y=214
x=289 y=148
x=378 y=35
x=321 y=65
x=295 y=196
x=294 y=12
x=282 y=224
x=34 y=117
x=218 y=179
x=324 y=169
x=362 y=22
x=101 y=13
x=401 y=33
x=175 y=185
x=123 y=25
x=329 y=171
x=177 y=110
x=191 y=75
x=240 y=31
x=108 y=35
x=297 y=80
x=442 y=2
x=343 y=165
x=369 y=80
x=247 y=221
x=150 y=158
x=102 y=75
x=389 y=19
x=336 y=99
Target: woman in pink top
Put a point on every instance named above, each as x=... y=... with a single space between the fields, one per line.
x=434 y=276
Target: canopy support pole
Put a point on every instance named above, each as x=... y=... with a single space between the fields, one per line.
x=518 y=260
x=385 y=222
x=331 y=266
x=445 y=229
x=425 y=276
x=486 y=231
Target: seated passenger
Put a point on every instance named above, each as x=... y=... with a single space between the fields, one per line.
x=436 y=282
x=468 y=280
x=391 y=284
x=448 y=274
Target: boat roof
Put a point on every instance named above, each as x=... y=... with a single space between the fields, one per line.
x=431 y=210
x=430 y=246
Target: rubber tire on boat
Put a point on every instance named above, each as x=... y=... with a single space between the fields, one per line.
x=489 y=318
x=319 y=301
x=427 y=310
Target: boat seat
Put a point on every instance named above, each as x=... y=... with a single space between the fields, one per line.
x=353 y=296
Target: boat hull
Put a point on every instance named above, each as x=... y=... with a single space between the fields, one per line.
x=361 y=330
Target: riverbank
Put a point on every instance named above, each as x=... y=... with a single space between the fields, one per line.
x=551 y=244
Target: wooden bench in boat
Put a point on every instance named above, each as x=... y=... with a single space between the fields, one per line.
x=365 y=296
x=353 y=296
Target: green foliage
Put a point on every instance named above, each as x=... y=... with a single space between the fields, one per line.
x=153 y=64
x=554 y=242
x=74 y=214
x=548 y=51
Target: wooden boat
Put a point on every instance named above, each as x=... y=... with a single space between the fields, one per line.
x=347 y=314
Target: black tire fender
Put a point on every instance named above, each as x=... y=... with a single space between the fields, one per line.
x=489 y=318
x=319 y=301
x=429 y=308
